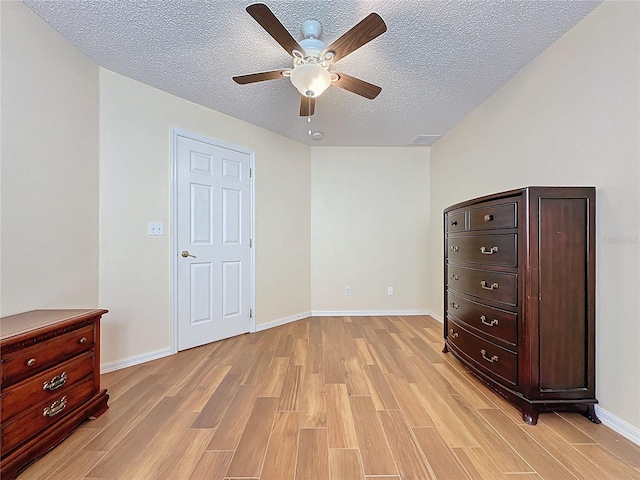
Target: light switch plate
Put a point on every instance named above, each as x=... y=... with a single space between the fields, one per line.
x=156 y=228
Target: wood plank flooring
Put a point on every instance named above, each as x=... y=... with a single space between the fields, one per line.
x=326 y=398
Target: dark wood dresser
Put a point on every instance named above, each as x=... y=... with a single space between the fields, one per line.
x=519 y=296
x=50 y=381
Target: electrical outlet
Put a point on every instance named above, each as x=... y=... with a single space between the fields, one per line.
x=347 y=291
x=156 y=228
x=389 y=290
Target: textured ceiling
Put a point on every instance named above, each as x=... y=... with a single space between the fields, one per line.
x=437 y=61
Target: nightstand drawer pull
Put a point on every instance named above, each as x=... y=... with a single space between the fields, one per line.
x=31 y=362
x=493 y=322
x=455 y=248
x=56 y=382
x=494 y=358
x=454 y=277
x=55 y=408
x=491 y=251
x=83 y=340
x=454 y=223
x=453 y=333
x=488 y=218
x=486 y=286
x=454 y=305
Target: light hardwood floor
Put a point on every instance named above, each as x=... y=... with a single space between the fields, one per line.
x=335 y=398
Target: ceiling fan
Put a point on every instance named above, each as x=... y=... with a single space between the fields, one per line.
x=313 y=59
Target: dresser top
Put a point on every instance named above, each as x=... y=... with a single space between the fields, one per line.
x=14 y=325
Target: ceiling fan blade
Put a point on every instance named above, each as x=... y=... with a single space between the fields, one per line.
x=357 y=86
x=307 y=106
x=265 y=17
x=259 y=77
x=369 y=28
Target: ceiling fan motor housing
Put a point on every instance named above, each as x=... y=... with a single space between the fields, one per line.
x=311 y=29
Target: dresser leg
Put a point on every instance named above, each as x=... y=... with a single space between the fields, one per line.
x=530 y=414
x=591 y=413
x=445 y=349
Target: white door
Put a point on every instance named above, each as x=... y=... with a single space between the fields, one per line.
x=213 y=242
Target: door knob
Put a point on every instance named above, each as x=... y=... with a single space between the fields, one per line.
x=185 y=254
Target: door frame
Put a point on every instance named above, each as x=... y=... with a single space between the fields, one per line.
x=179 y=132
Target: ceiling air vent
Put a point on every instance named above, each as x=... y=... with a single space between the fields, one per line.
x=425 y=139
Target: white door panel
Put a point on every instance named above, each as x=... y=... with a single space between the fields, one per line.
x=214 y=227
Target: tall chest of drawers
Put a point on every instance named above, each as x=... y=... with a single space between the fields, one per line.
x=519 y=295
x=50 y=381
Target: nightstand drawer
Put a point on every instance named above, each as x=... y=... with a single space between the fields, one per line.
x=44 y=355
x=500 y=287
x=499 y=250
x=495 y=360
x=496 y=323
x=492 y=217
x=45 y=414
x=46 y=385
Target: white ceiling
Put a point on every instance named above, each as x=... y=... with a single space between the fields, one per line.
x=437 y=61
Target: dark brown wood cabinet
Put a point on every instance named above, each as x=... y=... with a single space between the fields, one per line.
x=50 y=381
x=519 y=295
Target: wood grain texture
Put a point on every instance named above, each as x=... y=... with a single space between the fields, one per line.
x=280 y=459
x=344 y=464
x=374 y=449
x=247 y=461
x=441 y=458
x=407 y=454
x=313 y=454
x=274 y=417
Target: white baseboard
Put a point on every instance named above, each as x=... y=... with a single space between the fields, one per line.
x=135 y=360
x=281 y=321
x=618 y=425
x=366 y=313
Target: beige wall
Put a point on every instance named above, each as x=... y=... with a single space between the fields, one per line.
x=369 y=221
x=49 y=172
x=571 y=117
x=135 y=166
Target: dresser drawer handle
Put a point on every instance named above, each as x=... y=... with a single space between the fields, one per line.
x=455 y=248
x=488 y=218
x=491 y=251
x=494 y=358
x=454 y=276
x=486 y=286
x=454 y=305
x=83 y=340
x=31 y=362
x=453 y=333
x=493 y=322
x=55 y=408
x=56 y=382
x=454 y=223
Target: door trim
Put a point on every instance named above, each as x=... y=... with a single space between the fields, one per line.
x=179 y=132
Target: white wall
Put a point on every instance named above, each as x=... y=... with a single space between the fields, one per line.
x=369 y=222
x=135 y=165
x=570 y=117
x=49 y=171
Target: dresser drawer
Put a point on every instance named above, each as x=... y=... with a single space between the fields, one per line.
x=45 y=414
x=492 y=217
x=46 y=386
x=455 y=221
x=491 y=358
x=484 y=249
x=41 y=356
x=496 y=286
x=496 y=323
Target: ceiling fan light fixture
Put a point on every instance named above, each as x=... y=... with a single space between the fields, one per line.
x=310 y=79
